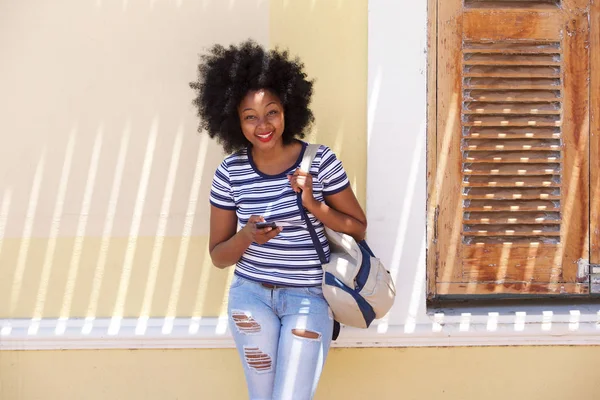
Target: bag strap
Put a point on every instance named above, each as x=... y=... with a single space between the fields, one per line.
x=310 y=152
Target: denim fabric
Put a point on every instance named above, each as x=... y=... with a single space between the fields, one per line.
x=278 y=362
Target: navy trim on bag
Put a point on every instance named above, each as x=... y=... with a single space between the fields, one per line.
x=364 y=270
x=363 y=244
x=311 y=230
x=365 y=308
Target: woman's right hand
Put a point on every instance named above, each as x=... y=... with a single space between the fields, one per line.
x=260 y=236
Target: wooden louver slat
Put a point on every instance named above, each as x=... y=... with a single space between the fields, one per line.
x=509 y=205
x=510 y=181
x=515 y=133
x=515 y=169
x=505 y=95
x=534 y=5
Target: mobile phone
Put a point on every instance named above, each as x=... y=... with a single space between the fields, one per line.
x=261 y=225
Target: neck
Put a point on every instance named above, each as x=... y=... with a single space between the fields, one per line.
x=271 y=154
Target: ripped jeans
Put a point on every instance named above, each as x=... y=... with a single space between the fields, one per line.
x=282 y=336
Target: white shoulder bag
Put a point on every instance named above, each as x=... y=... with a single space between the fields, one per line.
x=356 y=284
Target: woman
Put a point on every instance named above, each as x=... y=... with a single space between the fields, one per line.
x=255 y=102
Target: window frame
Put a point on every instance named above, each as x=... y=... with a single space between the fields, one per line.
x=433 y=179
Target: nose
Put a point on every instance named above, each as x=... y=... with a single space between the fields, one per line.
x=262 y=121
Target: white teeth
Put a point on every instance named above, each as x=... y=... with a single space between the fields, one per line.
x=265 y=136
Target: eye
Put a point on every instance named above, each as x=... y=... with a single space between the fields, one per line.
x=249 y=117
x=272 y=112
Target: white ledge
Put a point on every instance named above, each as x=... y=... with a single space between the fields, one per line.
x=146 y=333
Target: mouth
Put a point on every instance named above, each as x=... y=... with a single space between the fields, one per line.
x=265 y=137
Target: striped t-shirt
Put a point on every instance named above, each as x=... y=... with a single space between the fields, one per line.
x=289 y=258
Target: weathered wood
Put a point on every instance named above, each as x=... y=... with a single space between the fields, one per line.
x=450 y=28
x=498 y=194
x=511 y=288
x=504 y=221
x=511 y=205
x=512 y=108
x=539 y=5
x=513 y=169
x=507 y=74
x=518 y=49
x=510 y=181
x=432 y=255
x=513 y=132
x=526 y=60
x=595 y=132
x=507 y=217
x=512 y=111
x=517 y=133
x=575 y=7
x=539 y=157
x=530 y=263
x=575 y=132
x=514 y=145
x=501 y=121
x=553 y=95
x=512 y=24
x=494 y=62
x=509 y=233
x=512 y=84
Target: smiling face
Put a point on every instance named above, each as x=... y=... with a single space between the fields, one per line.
x=262 y=119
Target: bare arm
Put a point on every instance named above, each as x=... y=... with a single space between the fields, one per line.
x=340 y=212
x=225 y=245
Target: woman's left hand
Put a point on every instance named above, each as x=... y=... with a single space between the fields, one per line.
x=302 y=182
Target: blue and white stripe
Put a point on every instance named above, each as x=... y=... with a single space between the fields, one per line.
x=289 y=258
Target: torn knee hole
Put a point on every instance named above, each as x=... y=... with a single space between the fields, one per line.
x=245 y=323
x=256 y=359
x=303 y=333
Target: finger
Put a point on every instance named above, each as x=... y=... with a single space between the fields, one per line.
x=263 y=231
x=294 y=184
x=301 y=181
x=274 y=233
x=256 y=218
x=252 y=222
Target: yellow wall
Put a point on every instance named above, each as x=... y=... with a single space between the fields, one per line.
x=109 y=73
x=494 y=373
x=331 y=38
x=104 y=184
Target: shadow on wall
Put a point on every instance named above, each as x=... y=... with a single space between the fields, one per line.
x=104 y=186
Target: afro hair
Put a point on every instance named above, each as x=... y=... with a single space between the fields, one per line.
x=226 y=75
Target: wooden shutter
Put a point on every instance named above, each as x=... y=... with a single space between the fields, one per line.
x=512 y=173
x=595 y=132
